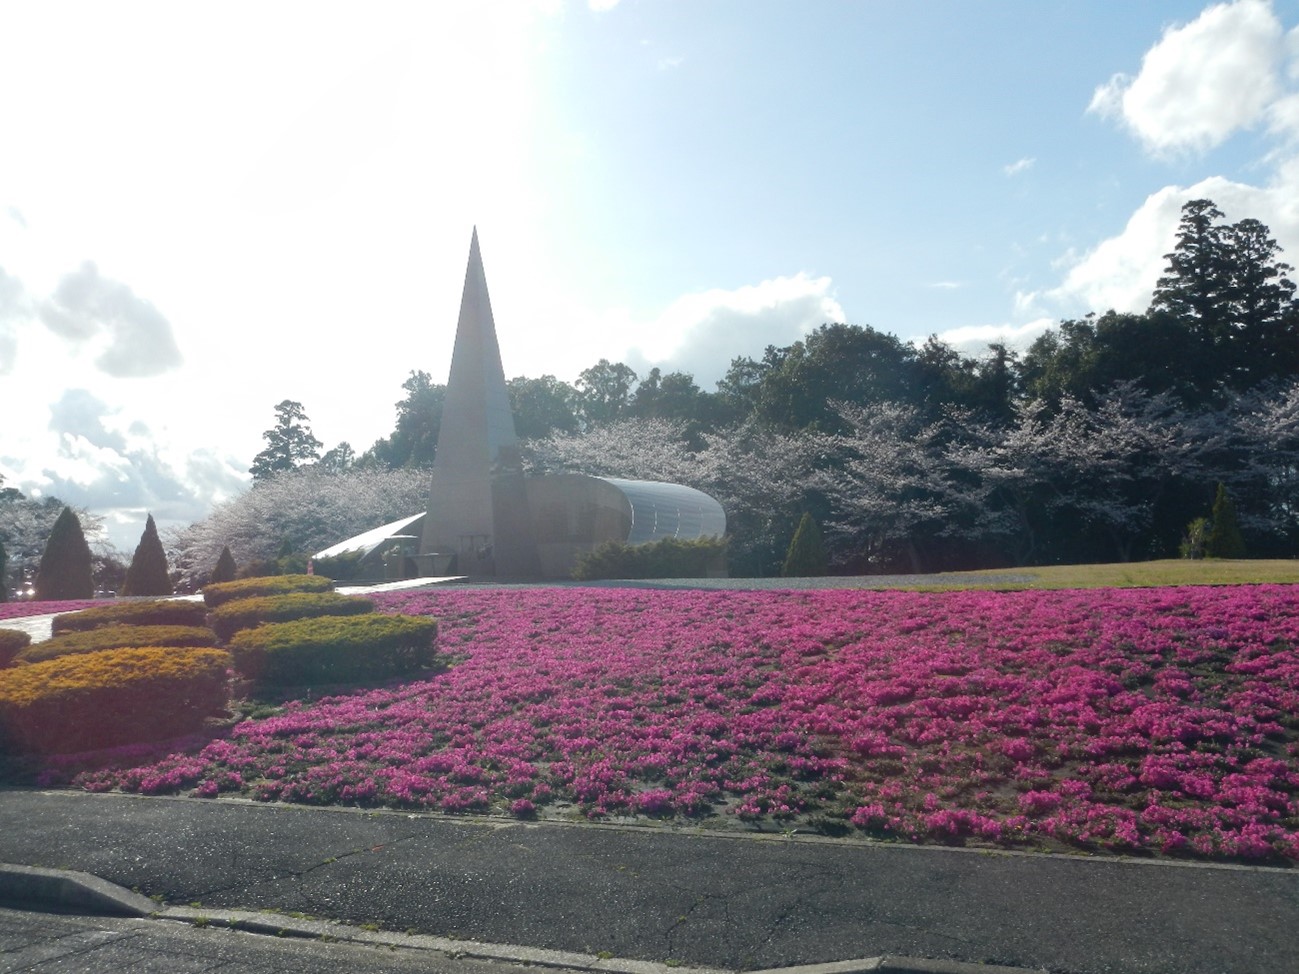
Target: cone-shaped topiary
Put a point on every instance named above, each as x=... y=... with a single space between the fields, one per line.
x=1224 y=540
x=806 y=556
x=64 y=572
x=225 y=567
x=148 y=572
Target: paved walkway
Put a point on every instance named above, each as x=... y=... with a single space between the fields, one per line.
x=657 y=894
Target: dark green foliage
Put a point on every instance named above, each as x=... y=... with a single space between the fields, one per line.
x=161 y=612
x=116 y=637
x=64 y=572
x=225 y=569
x=1225 y=540
x=230 y=617
x=334 y=650
x=289 y=443
x=340 y=567
x=806 y=557
x=247 y=588
x=668 y=558
x=4 y=574
x=413 y=443
x=147 y=574
x=12 y=642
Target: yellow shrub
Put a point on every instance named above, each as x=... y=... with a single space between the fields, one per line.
x=112 y=697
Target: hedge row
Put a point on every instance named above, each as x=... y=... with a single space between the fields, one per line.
x=12 y=642
x=665 y=558
x=247 y=588
x=116 y=637
x=156 y=612
x=334 y=650
x=230 y=617
x=120 y=696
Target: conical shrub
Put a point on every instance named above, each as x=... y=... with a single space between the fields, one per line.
x=64 y=572
x=148 y=572
x=806 y=556
x=1225 y=539
x=225 y=567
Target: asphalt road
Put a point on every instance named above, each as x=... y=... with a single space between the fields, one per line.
x=663 y=895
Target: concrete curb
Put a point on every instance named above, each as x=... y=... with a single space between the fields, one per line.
x=70 y=891
x=66 y=890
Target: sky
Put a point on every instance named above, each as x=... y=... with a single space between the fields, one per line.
x=208 y=209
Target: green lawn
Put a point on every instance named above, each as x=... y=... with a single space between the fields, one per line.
x=1137 y=574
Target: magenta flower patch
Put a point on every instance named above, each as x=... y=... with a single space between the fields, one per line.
x=1159 y=720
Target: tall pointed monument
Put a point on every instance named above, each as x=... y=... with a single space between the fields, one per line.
x=478 y=521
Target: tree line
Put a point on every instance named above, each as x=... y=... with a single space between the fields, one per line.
x=1106 y=439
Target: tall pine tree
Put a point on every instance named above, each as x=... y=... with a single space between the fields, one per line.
x=148 y=572
x=64 y=572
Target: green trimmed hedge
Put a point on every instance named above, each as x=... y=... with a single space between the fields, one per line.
x=230 y=617
x=12 y=642
x=665 y=558
x=117 y=637
x=247 y=588
x=154 y=612
x=334 y=650
x=109 y=698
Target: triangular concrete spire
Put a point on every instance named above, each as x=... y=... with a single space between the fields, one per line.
x=477 y=501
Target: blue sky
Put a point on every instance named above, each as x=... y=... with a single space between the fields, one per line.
x=204 y=211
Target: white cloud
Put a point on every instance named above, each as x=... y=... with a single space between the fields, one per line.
x=133 y=337
x=1019 y=166
x=1120 y=273
x=975 y=339
x=601 y=6
x=1201 y=82
x=701 y=333
x=946 y=285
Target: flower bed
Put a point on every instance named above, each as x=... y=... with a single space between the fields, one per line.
x=1130 y=720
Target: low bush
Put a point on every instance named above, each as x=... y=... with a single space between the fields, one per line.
x=230 y=617
x=666 y=558
x=334 y=650
x=157 y=612
x=247 y=588
x=116 y=637
x=109 y=698
x=12 y=642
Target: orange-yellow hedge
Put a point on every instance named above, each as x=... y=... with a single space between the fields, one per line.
x=129 y=612
x=115 y=637
x=117 y=696
x=230 y=617
x=219 y=593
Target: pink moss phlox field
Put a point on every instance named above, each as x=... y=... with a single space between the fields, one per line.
x=18 y=610
x=1159 y=720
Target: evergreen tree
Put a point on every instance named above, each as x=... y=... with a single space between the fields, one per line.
x=4 y=574
x=806 y=557
x=289 y=444
x=64 y=571
x=225 y=569
x=1225 y=540
x=148 y=572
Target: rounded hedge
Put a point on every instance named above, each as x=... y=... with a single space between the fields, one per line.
x=334 y=650
x=230 y=617
x=109 y=698
x=12 y=642
x=116 y=637
x=247 y=588
x=154 y=612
